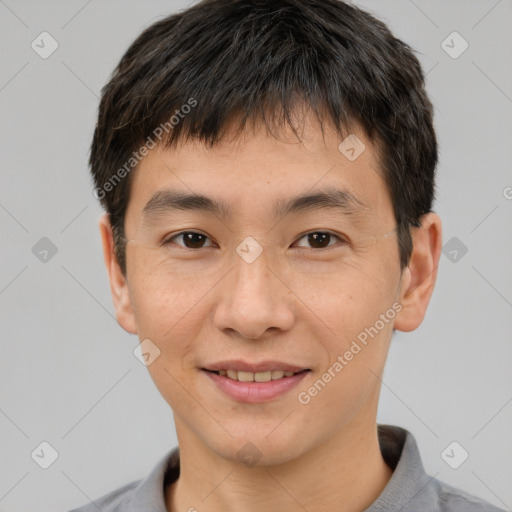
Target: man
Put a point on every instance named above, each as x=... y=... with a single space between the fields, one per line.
x=267 y=169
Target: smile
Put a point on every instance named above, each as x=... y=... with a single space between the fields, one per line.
x=256 y=376
x=254 y=387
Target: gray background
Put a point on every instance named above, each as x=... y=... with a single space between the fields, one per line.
x=68 y=374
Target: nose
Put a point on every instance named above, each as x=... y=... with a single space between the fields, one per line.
x=253 y=299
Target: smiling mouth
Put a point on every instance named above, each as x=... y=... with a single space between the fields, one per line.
x=256 y=376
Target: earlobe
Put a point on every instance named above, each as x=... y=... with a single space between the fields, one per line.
x=118 y=284
x=419 y=277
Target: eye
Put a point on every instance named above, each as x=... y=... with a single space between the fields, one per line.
x=320 y=239
x=191 y=240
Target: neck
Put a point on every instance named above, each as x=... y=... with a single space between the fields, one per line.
x=347 y=473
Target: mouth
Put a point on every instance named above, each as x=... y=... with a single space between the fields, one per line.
x=254 y=383
x=265 y=376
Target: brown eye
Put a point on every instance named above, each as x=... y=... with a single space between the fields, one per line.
x=319 y=239
x=191 y=240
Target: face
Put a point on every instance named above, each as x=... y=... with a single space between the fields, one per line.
x=263 y=285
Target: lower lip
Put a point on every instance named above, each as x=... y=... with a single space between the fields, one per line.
x=255 y=392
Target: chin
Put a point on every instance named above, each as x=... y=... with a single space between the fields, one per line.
x=254 y=446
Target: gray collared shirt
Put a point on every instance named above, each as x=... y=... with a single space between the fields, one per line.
x=410 y=489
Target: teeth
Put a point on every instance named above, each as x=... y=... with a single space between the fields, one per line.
x=246 y=376
x=261 y=376
x=255 y=377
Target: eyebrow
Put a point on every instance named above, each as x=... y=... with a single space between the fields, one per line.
x=330 y=198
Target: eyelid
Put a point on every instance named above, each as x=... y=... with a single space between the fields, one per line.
x=167 y=240
x=340 y=238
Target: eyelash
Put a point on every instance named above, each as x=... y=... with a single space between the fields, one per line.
x=342 y=241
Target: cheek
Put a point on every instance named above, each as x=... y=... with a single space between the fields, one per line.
x=166 y=310
x=349 y=380
x=163 y=302
x=348 y=307
x=349 y=298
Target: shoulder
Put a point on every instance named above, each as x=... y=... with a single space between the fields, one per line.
x=411 y=489
x=143 y=494
x=451 y=499
x=113 y=501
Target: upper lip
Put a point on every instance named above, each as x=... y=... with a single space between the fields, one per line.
x=263 y=366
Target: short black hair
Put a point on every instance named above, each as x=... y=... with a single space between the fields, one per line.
x=190 y=74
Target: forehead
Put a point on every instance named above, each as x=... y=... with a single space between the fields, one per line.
x=259 y=174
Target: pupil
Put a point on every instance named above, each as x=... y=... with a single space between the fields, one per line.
x=191 y=242
x=315 y=238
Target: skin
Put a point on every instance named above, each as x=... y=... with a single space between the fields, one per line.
x=302 y=308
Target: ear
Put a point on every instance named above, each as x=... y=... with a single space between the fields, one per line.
x=118 y=283
x=419 y=278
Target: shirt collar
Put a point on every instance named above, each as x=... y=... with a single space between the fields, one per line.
x=398 y=448
x=409 y=480
x=150 y=493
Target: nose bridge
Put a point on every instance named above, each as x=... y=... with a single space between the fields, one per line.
x=253 y=299
x=251 y=283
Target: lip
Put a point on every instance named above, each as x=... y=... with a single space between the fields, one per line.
x=263 y=366
x=254 y=392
